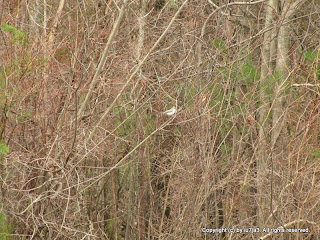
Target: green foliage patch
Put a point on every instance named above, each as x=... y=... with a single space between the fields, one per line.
x=249 y=72
x=219 y=43
x=4 y=149
x=174 y=4
x=17 y=35
x=316 y=153
x=150 y=125
x=310 y=55
x=5 y=228
x=24 y=116
x=123 y=123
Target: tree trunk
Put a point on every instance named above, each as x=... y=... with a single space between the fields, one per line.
x=262 y=151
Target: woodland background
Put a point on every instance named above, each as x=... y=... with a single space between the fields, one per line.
x=86 y=152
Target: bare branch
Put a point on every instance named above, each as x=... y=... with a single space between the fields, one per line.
x=102 y=61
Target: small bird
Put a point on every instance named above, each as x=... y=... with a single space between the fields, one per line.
x=171 y=111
